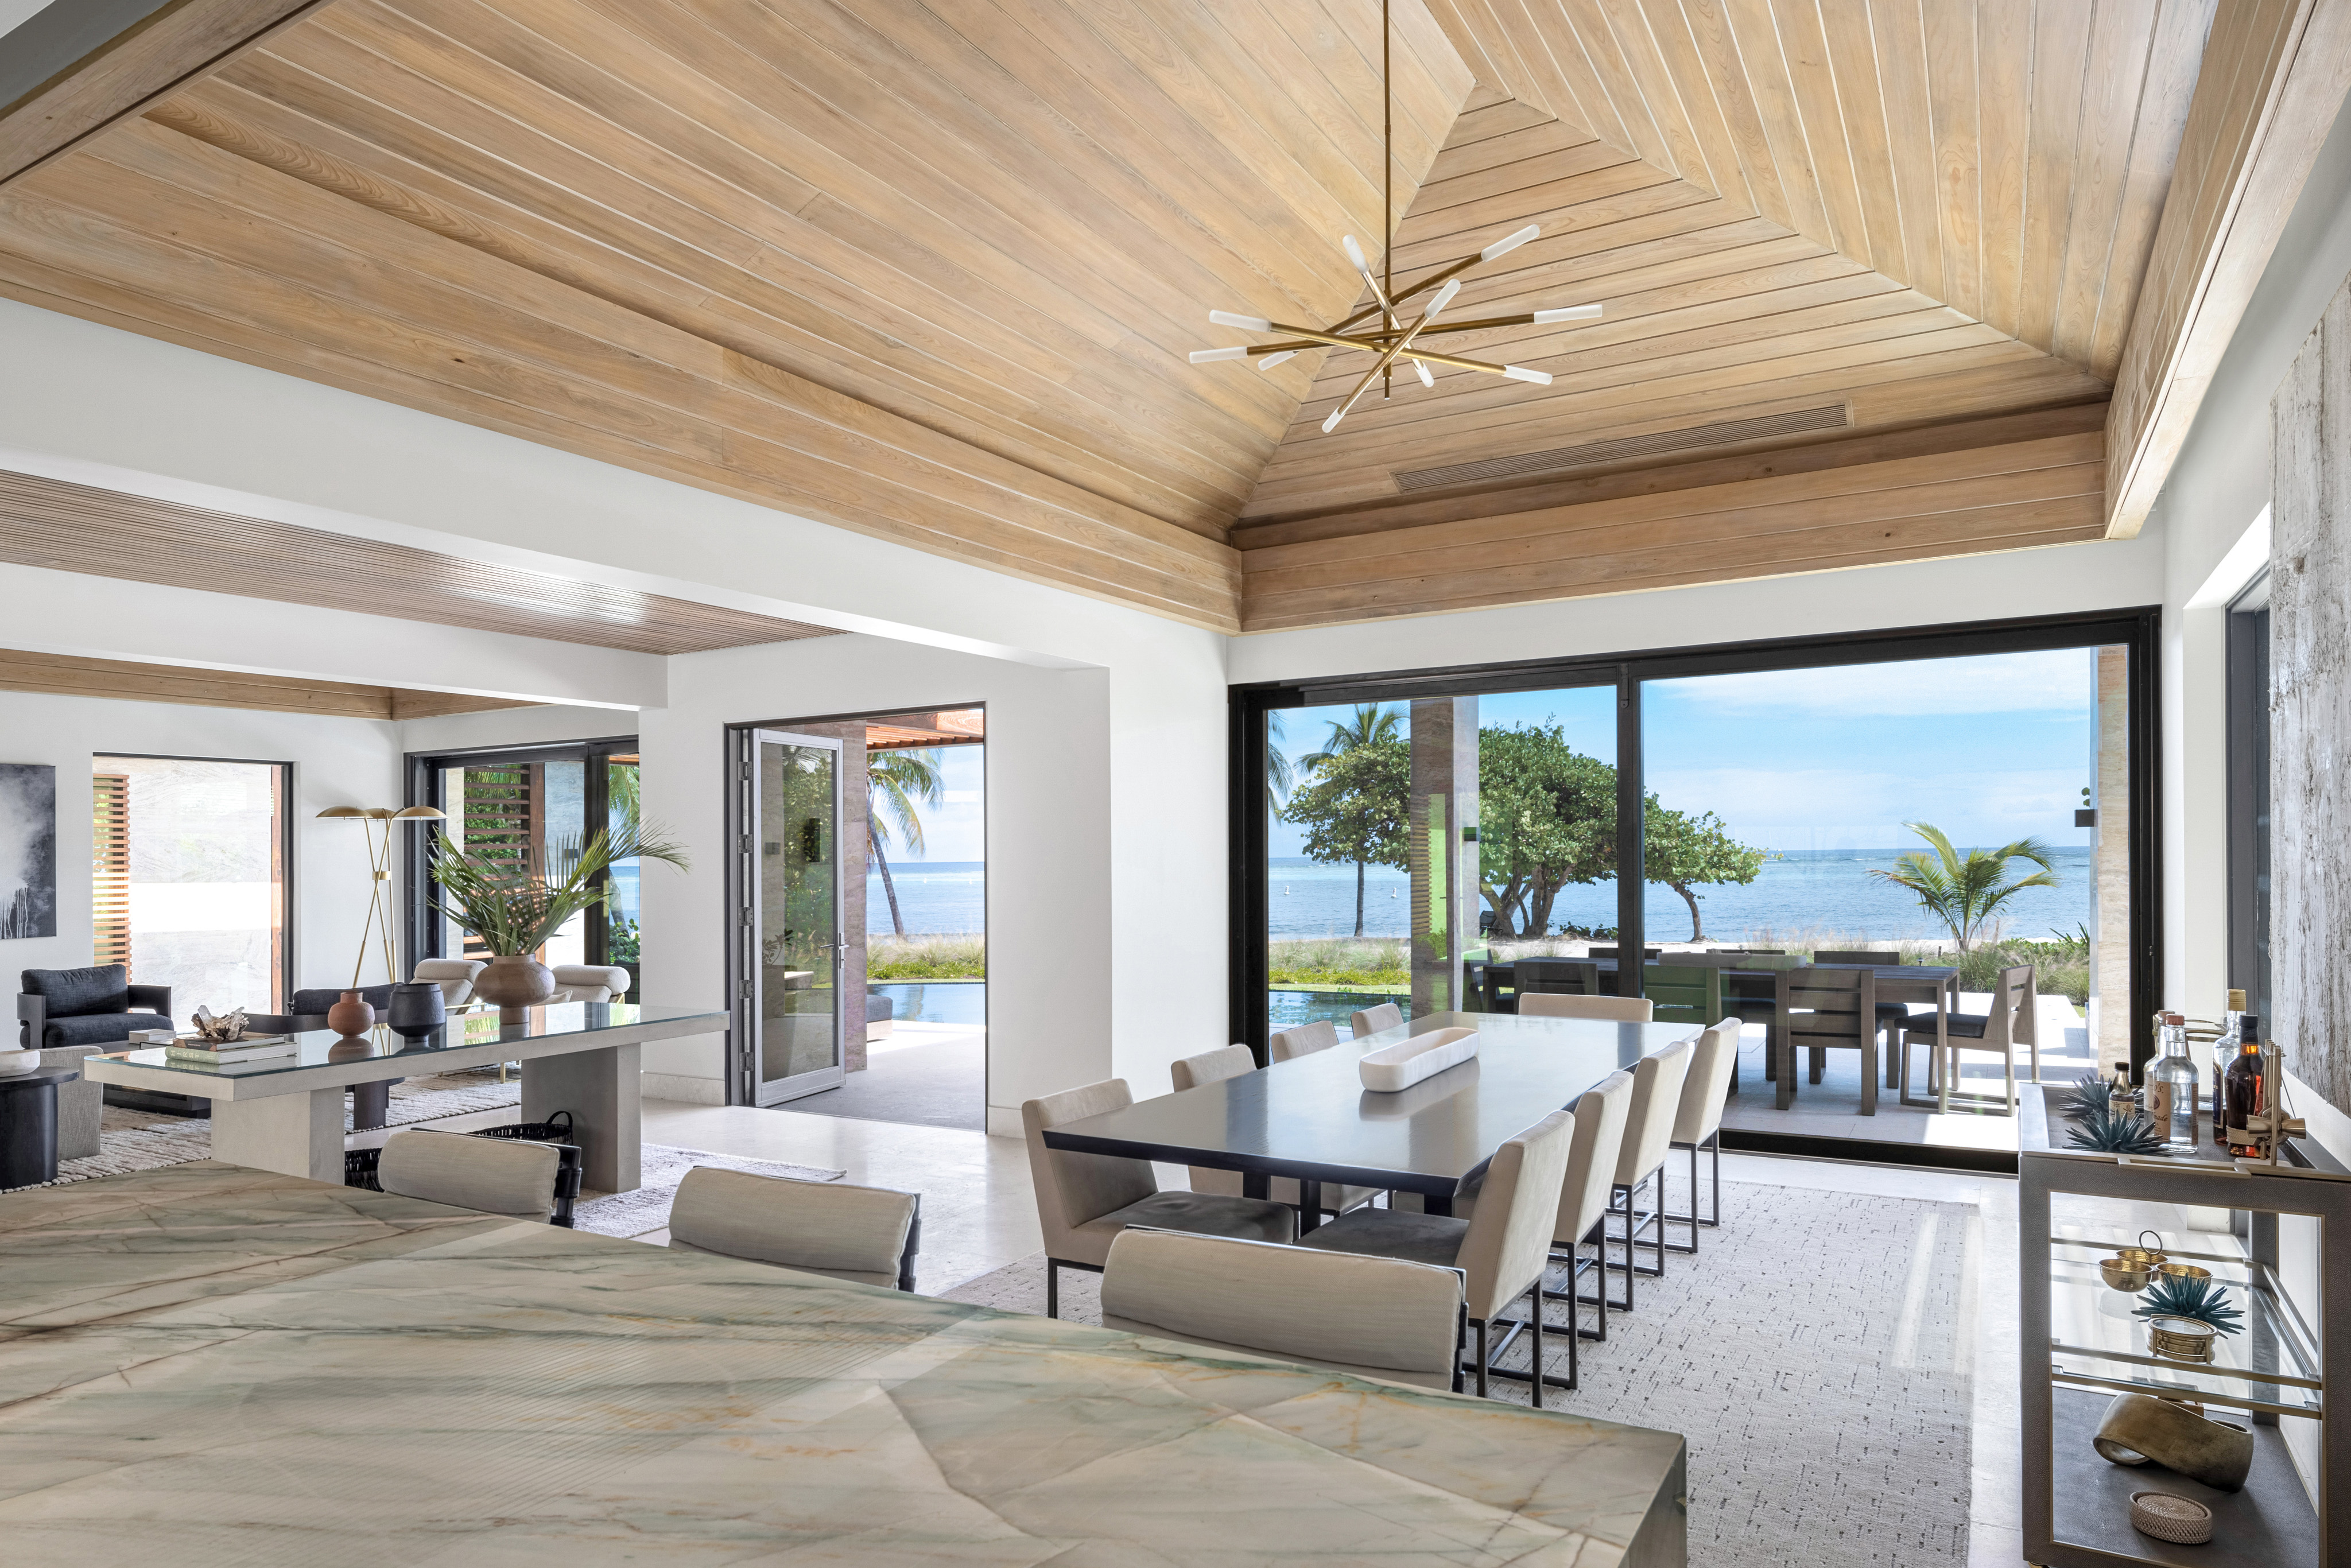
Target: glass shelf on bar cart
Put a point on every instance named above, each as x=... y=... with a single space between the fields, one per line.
x=2095 y=1332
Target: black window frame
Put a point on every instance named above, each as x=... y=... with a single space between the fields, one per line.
x=2137 y=629
x=2248 y=720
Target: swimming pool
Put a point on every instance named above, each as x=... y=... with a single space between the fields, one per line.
x=938 y=1001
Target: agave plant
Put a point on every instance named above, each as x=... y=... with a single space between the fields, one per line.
x=2206 y=1300
x=514 y=904
x=2089 y=1094
x=2104 y=1131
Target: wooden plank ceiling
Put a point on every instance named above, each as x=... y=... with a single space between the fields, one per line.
x=930 y=272
x=126 y=681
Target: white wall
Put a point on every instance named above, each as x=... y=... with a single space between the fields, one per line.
x=337 y=762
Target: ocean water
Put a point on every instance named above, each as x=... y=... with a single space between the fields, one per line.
x=937 y=898
x=1805 y=889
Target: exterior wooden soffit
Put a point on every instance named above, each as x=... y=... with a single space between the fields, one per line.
x=2273 y=77
x=84 y=64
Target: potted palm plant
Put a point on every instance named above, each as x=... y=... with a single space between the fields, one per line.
x=516 y=903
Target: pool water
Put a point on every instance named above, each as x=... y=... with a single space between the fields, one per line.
x=938 y=1001
x=1287 y=1009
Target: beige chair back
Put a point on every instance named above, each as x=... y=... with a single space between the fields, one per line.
x=1709 y=1083
x=454 y=976
x=1214 y=1067
x=1507 y=1243
x=1600 y=1117
x=1072 y=1188
x=1656 y=1101
x=1553 y=1005
x=1379 y=1316
x=1304 y=1040
x=2013 y=1003
x=494 y=1175
x=1371 y=1021
x=856 y=1233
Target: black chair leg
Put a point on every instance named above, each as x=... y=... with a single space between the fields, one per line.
x=1481 y=1357
x=1535 y=1339
x=1052 y=1289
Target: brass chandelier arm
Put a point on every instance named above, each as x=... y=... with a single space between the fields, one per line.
x=1442 y=275
x=1387 y=357
x=1309 y=338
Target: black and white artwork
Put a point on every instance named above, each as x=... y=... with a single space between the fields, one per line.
x=28 y=849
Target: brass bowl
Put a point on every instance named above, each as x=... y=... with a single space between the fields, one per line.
x=2183 y=1271
x=2121 y=1275
x=2181 y=1339
x=2145 y=1257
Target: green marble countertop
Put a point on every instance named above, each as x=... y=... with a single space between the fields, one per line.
x=209 y=1365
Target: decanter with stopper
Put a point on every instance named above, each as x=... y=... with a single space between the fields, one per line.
x=2172 y=1085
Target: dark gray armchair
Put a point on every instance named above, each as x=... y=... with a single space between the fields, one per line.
x=97 y=1005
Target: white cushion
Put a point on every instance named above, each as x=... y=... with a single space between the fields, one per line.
x=589 y=982
x=494 y=1175
x=454 y=976
x=1562 y=1005
x=853 y=1232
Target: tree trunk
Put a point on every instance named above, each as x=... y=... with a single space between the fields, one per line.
x=1697 y=931
x=1359 y=898
x=897 y=921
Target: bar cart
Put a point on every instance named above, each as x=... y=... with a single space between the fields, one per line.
x=2082 y=1347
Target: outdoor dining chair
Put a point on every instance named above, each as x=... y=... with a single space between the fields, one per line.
x=1817 y=1008
x=2002 y=1030
x=1683 y=993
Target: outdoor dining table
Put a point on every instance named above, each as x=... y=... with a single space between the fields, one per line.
x=1936 y=985
x=1311 y=1118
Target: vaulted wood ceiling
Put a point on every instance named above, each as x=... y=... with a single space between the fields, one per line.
x=931 y=272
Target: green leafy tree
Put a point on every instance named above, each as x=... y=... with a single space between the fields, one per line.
x=1966 y=892
x=896 y=783
x=1546 y=819
x=1356 y=806
x=1685 y=851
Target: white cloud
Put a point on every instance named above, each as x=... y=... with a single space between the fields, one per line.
x=2058 y=682
x=1834 y=808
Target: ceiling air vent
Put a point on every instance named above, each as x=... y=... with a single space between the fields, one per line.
x=1559 y=459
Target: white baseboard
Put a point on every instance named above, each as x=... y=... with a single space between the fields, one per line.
x=691 y=1089
x=1004 y=1122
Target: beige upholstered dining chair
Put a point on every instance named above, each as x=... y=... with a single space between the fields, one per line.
x=1584 y=1205
x=1553 y=1005
x=1641 y=1159
x=1083 y=1201
x=1371 y=1021
x=866 y=1235
x=493 y=1176
x=1371 y=1317
x=1698 y=1123
x=1304 y=1040
x=1501 y=1249
x=1233 y=1061
x=2009 y=1024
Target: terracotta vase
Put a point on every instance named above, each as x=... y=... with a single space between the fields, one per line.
x=351 y=1016
x=514 y=982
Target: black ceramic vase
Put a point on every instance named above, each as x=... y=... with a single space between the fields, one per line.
x=416 y=1008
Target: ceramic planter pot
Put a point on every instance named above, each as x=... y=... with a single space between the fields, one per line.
x=514 y=981
x=416 y=1008
x=351 y=1016
x=13 y=1062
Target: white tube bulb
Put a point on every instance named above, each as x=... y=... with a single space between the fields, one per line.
x=1520 y=373
x=1332 y=424
x=1505 y=246
x=1246 y=323
x=1444 y=297
x=1354 y=253
x=1568 y=313
x=1425 y=378
x=1210 y=356
x=1270 y=361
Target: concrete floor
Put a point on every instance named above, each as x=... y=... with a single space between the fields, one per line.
x=931 y=1074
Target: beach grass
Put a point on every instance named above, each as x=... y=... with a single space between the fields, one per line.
x=934 y=957
x=1339 y=963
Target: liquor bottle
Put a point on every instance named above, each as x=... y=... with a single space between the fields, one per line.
x=2245 y=1097
x=2172 y=1085
x=2224 y=1051
x=2122 y=1100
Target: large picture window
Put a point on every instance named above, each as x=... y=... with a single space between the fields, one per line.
x=1962 y=802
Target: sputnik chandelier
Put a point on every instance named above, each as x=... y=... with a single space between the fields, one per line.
x=1393 y=338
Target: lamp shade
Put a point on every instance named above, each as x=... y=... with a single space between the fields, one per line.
x=343 y=811
x=417 y=814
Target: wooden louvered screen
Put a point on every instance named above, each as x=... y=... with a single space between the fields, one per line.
x=110 y=869
x=503 y=814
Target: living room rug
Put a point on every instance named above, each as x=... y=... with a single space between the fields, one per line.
x=1817 y=1352
x=646 y=1210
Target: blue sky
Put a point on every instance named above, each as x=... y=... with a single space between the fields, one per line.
x=953 y=830
x=1989 y=748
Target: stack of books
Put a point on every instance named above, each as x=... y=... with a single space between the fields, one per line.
x=254 y=1050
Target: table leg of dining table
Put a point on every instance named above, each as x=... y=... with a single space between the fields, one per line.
x=603 y=1092
x=296 y=1135
x=1310 y=1206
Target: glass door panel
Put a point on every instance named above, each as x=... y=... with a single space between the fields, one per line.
x=794 y=922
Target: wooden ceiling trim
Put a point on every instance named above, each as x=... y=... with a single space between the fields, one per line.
x=1906 y=508
x=2275 y=76
x=60 y=674
x=54 y=523
x=89 y=85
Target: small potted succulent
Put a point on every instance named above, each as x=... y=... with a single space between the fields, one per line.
x=514 y=904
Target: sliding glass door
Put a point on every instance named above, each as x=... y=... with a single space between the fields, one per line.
x=790 y=884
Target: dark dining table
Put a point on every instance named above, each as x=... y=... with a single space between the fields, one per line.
x=1311 y=1118
x=1934 y=985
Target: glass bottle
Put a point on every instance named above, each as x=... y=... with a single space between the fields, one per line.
x=2245 y=1099
x=2172 y=1085
x=2224 y=1051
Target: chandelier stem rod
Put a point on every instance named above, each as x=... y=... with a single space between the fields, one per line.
x=1387 y=198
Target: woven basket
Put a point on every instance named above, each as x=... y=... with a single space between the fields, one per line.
x=2171 y=1518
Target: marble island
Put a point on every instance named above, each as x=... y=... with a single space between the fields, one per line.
x=209 y=1365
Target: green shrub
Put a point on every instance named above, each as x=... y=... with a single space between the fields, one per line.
x=958 y=957
x=1339 y=962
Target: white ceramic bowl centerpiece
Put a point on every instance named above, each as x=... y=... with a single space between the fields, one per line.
x=1402 y=1065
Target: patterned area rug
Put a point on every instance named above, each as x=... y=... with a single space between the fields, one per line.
x=1817 y=1352
x=646 y=1210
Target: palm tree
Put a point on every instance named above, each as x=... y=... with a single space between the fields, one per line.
x=1966 y=894
x=1372 y=724
x=1278 y=775
x=897 y=781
